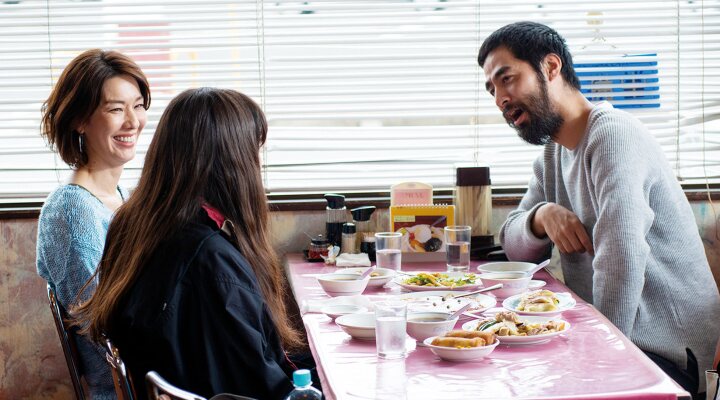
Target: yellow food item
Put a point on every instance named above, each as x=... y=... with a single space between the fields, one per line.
x=539 y=301
x=458 y=342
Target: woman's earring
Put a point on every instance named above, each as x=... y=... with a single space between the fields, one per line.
x=82 y=144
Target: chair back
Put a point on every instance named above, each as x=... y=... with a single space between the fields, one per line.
x=123 y=383
x=160 y=389
x=67 y=340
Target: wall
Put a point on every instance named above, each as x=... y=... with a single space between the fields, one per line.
x=32 y=365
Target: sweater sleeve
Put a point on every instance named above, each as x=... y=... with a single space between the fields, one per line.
x=516 y=235
x=71 y=238
x=622 y=179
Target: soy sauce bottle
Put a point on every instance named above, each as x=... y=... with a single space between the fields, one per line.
x=336 y=217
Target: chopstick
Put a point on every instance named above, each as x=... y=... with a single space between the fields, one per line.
x=493 y=287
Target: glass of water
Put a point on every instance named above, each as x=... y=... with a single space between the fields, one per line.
x=387 y=250
x=390 y=328
x=457 y=245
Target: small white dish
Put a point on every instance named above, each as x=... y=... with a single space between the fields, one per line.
x=360 y=326
x=536 y=284
x=566 y=302
x=455 y=354
x=335 y=310
x=513 y=282
x=506 y=266
x=433 y=301
x=422 y=325
x=534 y=339
x=346 y=284
x=378 y=278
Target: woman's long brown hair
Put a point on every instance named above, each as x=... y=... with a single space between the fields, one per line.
x=206 y=146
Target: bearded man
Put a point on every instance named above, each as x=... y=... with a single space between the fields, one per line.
x=605 y=195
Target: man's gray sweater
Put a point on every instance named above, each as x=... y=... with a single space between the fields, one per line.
x=649 y=275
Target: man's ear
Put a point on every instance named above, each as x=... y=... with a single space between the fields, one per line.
x=552 y=64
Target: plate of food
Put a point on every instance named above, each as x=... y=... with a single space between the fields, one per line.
x=541 y=302
x=462 y=345
x=510 y=328
x=438 y=281
x=446 y=301
x=422 y=238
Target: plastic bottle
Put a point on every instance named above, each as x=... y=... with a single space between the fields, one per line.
x=303 y=387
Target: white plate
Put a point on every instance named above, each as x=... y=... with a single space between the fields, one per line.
x=536 y=284
x=453 y=354
x=335 y=310
x=386 y=275
x=424 y=301
x=415 y=288
x=535 y=339
x=359 y=326
x=566 y=302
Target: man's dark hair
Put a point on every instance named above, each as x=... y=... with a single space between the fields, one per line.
x=531 y=42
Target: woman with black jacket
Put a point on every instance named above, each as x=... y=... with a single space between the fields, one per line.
x=189 y=285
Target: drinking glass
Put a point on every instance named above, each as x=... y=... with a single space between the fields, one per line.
x=387 y=250
x=457 y=246
x=390 y=328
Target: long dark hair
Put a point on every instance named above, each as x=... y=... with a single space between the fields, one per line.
x=206 y=146
x=78 y=93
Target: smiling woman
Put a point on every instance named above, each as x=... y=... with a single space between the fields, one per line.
x=92 y=119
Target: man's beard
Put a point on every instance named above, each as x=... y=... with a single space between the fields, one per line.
x=542 y=123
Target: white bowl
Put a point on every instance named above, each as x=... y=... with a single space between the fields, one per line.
x=422 y=325
x=506 y=266
x=335 y=310
x=359 y=326
x=513 y=282
x=342 y=284
x=379 y=277
x=454 y=354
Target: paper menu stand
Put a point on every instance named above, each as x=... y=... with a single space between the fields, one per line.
x=422 y=228
x=411 y=193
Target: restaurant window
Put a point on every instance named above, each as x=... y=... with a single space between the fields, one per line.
x=360 y=95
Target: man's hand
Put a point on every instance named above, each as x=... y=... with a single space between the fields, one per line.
x=563 y=228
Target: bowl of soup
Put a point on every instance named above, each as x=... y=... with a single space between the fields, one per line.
x=422 y=325
x=349 y=284
x=513 y=282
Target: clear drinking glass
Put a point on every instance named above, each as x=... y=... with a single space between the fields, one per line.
x=390 y=328
x=457 y=245
x=387 y=250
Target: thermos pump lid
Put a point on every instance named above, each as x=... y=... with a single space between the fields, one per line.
x=473 y=176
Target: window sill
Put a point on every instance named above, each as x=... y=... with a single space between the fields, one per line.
x=30 y=208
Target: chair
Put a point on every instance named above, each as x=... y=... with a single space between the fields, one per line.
x=160 y=389
x=123 y=383
x=67 y=340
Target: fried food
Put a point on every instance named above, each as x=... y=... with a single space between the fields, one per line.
x=488 y=337
x=458 y=342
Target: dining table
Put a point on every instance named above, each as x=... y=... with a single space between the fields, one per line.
x=591 y=360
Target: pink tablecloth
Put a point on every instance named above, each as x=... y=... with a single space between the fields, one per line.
x=592 y=361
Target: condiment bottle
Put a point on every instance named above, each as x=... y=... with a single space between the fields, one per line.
x=361 y=218
x=349 y=238
x=336 y=217
x=318 y=247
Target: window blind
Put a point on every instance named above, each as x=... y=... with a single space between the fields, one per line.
x=360 y=95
